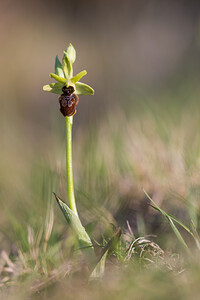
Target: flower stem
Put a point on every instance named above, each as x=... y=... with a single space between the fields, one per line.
x=70 y=185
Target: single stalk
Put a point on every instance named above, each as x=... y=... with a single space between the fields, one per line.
x=70 y=185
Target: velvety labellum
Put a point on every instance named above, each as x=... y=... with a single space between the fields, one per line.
x=68 y=101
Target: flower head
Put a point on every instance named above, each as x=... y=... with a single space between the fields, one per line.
x=64 y=75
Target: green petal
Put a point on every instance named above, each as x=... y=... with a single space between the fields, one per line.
x=78 y=76
x=67 y=66
x=58 y=67
x=55 y=88
x=58 y=78
x=71 y=53
x=83 y=89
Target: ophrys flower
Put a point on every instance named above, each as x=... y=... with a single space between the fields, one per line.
x=67 y=85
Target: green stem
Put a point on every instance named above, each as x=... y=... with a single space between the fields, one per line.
x=70 y=185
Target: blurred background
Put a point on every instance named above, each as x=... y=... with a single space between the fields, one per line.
x=140 y=129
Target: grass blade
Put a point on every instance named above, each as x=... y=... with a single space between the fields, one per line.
x=170 y=220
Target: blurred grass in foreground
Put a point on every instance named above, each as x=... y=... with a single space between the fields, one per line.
x=150 y=143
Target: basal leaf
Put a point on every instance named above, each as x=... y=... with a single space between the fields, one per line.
x=58 y=78
x=100 y=268
x=55 y=88
x=78 y=76
x=83 y=89
x=58 y=67
x=109 y=248
x=75 y=223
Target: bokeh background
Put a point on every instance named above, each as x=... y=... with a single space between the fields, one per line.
x=140 y=129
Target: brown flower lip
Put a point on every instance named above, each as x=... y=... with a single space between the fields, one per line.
x=68 y=101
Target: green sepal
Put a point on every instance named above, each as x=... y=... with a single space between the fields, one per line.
x=58 y=78
x=71 y=53
x=58 y=67
x=75 y=223
x=83 y=89
x=78 y=76
x=55 y=88
x=67 y=66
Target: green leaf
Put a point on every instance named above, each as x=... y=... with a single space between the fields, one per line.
x=58 y=78
x=177 y=233
x=78 y=76
x=71 y=53
x=168 y=215
x=109 y=248
x=173 y=218
x=100 y=268
x=173 y=226
x=196 y=235
x=55 y=88
x=83 y=89
x=67 y=66
x=58 y=67
x=75 y=223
